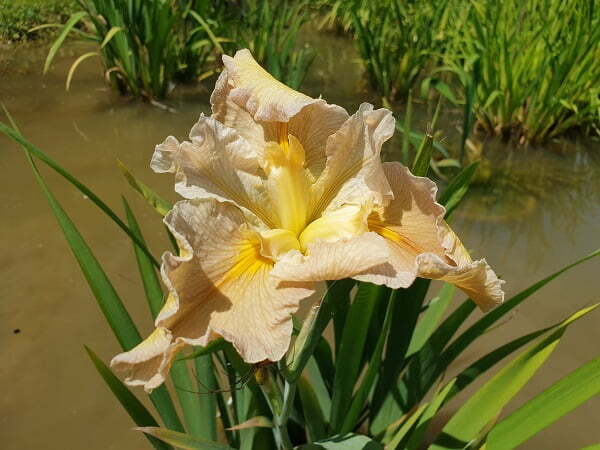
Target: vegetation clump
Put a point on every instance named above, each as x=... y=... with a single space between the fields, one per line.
x=17 y=17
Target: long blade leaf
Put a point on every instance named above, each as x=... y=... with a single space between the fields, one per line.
x=136 y=410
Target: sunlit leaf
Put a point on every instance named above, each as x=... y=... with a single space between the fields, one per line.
x=544 y=409
x=136 y=410
x=345 y=442
x=182 y=440
x=156 y=201
x=487 y=403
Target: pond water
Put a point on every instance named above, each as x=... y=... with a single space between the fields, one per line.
x=537 y=211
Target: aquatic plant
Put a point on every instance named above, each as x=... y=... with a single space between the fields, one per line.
x=270 y=30
x=538 y=66
x=397 y=39
x=382 y=373
x=144 y=45
x=17 y=17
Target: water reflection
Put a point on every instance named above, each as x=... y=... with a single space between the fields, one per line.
x=529 y=197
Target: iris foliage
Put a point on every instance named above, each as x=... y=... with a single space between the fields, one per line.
x=378 y=380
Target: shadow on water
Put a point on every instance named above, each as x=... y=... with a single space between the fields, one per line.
x=532 y=212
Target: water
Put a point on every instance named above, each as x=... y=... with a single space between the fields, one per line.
x=538 y=211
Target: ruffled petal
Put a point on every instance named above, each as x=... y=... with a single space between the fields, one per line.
x=353 y=172
x=149 y=362
x=343 y=258
x=256 y=91
x=422 y=244
x=218 y=163
x=256 y=108
x=220 y=285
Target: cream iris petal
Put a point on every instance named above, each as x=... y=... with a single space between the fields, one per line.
x=283 y=193
x=422 y=244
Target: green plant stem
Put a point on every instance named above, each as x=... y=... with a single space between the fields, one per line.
x=308 y=338
x=280 y=405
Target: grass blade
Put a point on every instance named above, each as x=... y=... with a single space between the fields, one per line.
x=150 y=281
x=111 y=305
x=457 y=188
x=75 y=65
x=188 y=399
x=352 y=348
x=430 y=319
x=547 y=407
x=31 y=149
x=75 y=17
x=486 y=404
x=406 y=426
x=314 y=417
x=157 y=202
x=182 y=440
x=136 y=410
x=416 y=438
x=358 y=402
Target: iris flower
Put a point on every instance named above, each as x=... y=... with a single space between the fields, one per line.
x=282 y=192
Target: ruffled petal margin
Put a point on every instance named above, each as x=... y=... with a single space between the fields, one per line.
x=422 y=244
x=220 y=285
x=218 y=163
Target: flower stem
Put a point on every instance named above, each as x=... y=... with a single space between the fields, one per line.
x=280 y=405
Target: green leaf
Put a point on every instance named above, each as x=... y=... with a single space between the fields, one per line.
x=314 y=417
x=312 y=328
x=486 y=404
x=352 y=347
x=150 y=281
x=366 y=385
x=562 y=397
x=208 y=401
x=111 y=33
x=457 y=188
x=420 y=165
x=345 y=442
x=136 y=410
x=406 y=426
x=75 y=65
x=485 y=322
x=111 y=305
x=384 y=405
x=430 y=319
x=417 y=436
x=75 y=17
x=182 y=440
x=157 y=202
x=422 y=159
x=32 y=150
x=107 y=298
x=313 y=374
x=339 y=293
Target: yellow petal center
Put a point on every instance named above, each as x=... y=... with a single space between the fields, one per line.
x=287 y=180
x=289 y=185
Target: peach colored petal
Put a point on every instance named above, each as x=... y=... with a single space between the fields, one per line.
x=310 y=120
x=148 y=363
x=224 y=284
x=343 y=258
x=353 y=172
x=220 y=285
x=422 y=244
x=256 y=91
x=218 y=163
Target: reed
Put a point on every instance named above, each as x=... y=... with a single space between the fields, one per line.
x=539 y=66
x=144 y=45
x=271 y=30
x=397 y=40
